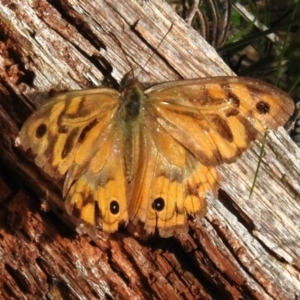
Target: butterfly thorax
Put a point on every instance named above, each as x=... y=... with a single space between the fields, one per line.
x=132 y=97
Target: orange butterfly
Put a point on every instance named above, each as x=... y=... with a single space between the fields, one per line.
x=149 y=156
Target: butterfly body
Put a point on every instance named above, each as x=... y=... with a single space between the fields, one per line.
x=149 y=156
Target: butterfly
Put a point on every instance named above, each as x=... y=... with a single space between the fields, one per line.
x=149 y=156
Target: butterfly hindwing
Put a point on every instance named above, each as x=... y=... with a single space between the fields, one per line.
x=169 y=183
x=98 y=196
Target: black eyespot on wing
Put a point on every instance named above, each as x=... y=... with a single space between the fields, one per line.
x=263 y=107
x=158 y=204
x=114 y=207
x=41 y=131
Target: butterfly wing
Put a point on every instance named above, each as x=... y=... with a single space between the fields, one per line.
x=188 y=128
x=217 y=118
x=77 y=136
x=169 y=183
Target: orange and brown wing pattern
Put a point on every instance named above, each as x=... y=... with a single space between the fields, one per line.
x=77 y=135
x=149 y=157
x=187 y=128
x=61 y=131
x=169 y=183
x=98 y=196
x=216 y=119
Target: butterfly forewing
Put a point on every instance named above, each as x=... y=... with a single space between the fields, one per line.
x=217 y=118
x=56 y=132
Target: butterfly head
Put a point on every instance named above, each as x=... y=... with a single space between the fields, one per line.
x=129 y=79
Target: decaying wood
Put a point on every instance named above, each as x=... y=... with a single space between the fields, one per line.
x=245 y=248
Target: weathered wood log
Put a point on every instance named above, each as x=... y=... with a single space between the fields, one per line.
x=245 y=248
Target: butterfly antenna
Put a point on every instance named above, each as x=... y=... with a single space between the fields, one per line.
x=126 y=55
x=153 y=52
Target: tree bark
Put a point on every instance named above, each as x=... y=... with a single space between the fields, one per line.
x=245 y=248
